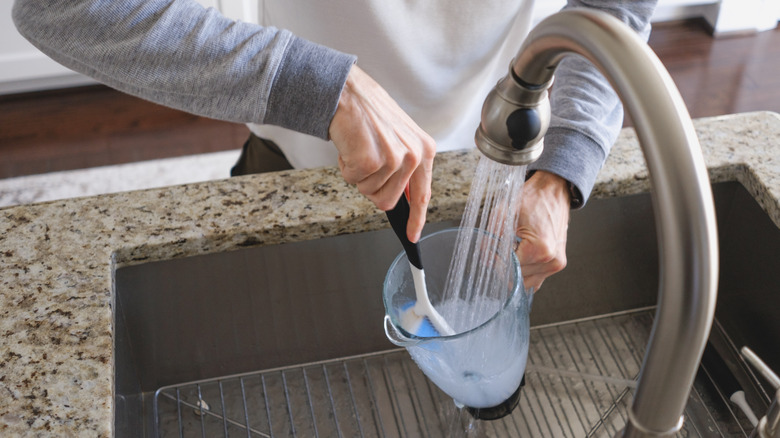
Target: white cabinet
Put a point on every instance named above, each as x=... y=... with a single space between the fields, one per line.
x=738 y=16
x=25 y=68
x=22 y=66
x=725 y=17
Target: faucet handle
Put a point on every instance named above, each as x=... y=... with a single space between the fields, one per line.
x=760 y=366
x=769 y=426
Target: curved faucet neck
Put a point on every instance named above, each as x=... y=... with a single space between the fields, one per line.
x=682 y=200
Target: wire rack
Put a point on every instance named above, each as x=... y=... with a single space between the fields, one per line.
x=579 y=382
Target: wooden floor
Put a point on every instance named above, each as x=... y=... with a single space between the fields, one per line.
x=95 y=126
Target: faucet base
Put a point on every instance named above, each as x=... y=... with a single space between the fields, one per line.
x=634 y=430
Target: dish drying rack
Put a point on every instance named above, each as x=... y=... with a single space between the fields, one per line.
x=578 y=383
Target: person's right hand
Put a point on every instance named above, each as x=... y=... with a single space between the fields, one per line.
x=381 y=149
x=542 y=226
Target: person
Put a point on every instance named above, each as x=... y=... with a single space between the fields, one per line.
x=376 y=87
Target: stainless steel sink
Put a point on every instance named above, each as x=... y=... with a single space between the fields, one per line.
x=287 y=339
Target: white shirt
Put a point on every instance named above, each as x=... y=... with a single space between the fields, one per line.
x=437 y=58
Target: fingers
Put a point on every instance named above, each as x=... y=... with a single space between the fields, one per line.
x=542 y=226
x=419 y=196
x=385 y=182
x=540 y=260
x=381 y=149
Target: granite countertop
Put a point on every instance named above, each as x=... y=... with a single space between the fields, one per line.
x=57 y=259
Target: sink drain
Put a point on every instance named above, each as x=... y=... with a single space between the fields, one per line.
x=201 y=407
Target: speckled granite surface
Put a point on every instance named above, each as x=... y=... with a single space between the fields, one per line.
x=57 y=259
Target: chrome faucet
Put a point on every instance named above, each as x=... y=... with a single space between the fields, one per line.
x=515 y=117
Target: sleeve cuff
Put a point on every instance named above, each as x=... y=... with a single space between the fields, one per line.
x=307 y=87
x=574 y=157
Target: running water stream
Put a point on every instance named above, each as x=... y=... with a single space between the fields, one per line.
x=481 y=366
x=471 y=295
x=475 y=270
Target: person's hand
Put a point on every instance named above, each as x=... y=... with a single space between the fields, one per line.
x=542 y=224
x=381 y=149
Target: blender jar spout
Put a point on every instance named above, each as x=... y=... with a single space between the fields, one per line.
x=396 y=337
x=516 y=115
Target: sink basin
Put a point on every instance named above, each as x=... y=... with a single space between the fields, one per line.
x=304 y=321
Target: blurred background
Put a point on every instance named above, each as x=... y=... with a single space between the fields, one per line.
x=64 y=135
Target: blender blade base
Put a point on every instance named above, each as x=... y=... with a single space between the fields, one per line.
x=500 y=410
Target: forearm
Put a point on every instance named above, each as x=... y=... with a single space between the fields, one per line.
x=586 y=112
x=181 y=55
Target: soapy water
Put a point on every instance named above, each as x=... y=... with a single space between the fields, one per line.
x=483 y=369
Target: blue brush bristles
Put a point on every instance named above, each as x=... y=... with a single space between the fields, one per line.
x=414 y=324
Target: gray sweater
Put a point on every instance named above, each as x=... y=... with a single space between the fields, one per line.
x=179 y=54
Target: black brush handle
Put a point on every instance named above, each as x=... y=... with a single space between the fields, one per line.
x=399 y=217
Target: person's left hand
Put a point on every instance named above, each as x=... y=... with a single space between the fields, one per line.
x=542 y=224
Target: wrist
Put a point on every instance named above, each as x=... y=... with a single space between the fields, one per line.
x=555 y=186
x=353 y=96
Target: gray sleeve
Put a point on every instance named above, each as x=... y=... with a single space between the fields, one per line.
x=586 y=112
x=179 y=54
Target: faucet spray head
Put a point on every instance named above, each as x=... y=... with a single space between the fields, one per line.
x=515 y=117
